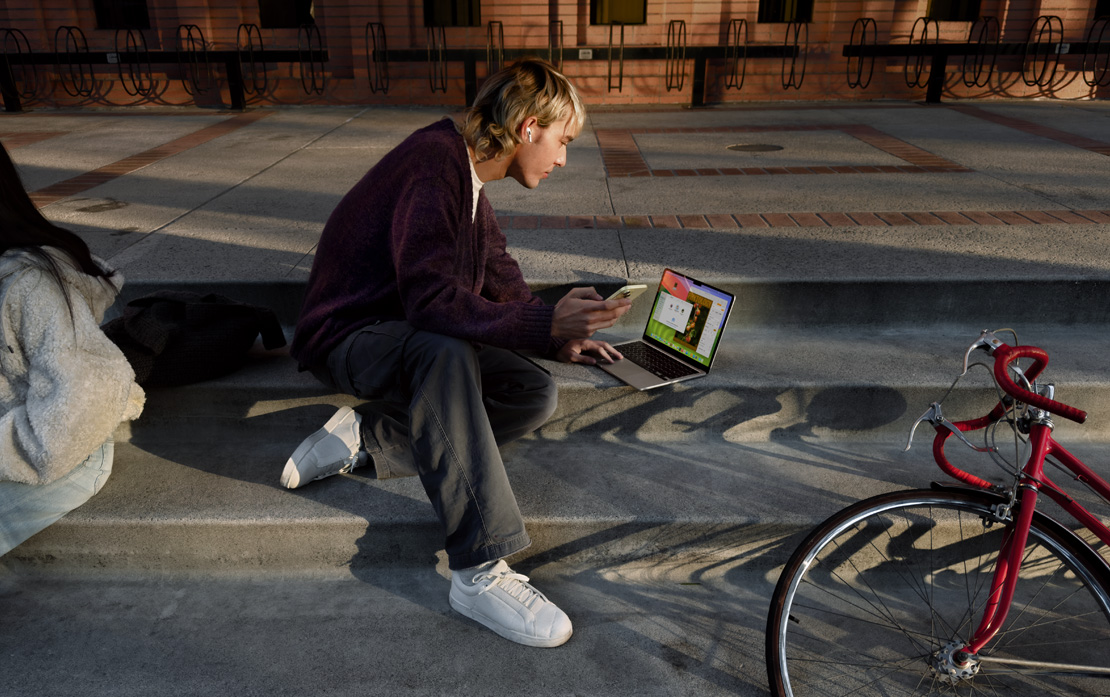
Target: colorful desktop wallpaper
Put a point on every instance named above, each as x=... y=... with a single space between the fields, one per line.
x=679 y=324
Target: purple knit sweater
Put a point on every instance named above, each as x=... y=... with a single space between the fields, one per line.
x=402 y=245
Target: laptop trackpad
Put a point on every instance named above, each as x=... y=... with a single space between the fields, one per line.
x=631 y=373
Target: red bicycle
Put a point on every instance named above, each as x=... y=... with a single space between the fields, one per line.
x=956 y=590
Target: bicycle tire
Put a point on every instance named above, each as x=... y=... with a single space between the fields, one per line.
x=847 y=615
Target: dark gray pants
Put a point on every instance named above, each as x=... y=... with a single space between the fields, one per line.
x=439 y=408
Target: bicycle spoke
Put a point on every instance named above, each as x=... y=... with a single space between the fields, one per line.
x=887 y=615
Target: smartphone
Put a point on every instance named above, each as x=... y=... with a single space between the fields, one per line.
x=629 y=292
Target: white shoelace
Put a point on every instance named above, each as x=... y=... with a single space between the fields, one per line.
x=514 y=584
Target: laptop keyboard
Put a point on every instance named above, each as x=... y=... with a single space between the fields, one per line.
x=655 y=362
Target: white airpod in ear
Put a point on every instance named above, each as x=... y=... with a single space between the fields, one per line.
x=529 y=135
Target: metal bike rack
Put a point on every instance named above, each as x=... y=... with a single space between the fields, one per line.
x=1052 y=27
x=676 y=54
x=794 y=77
x=555 y=43
x=377 y=64
x=136 y=82
x=310 y=43
x=980 y=34
x=246 y=37
x=14 y=38
x=437 y=59
x=1098 y=47
x=919 y=61
x=193 y=59
x=736 y=39
x=495 y=46
x=77 y=76
x=620 y=66
x=862 y=26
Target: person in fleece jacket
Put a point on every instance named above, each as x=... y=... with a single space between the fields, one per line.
x=64 y=387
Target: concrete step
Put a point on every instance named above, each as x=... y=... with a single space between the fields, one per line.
x=793 y=302
x=217 y=504
x=833 y=382
x=792 y=425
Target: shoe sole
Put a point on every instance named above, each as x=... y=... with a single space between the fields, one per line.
x=290 y=472
x=507 y=633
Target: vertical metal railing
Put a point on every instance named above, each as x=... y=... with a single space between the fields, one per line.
x=437 y=59
x=797 y=34
x=986 y=33
x=736 y=39
x=1096 y=59
x=856 y=64
x=310 y=45
x=1041 y=57
x=248 y=41
x=377 y=61
x=495 y=46
x=676 y=54
x=555 y=43
x=138 y=81
x=74 y=70
x=23 y=77
x=192 y=60
x=620 y=58
x=914 y=71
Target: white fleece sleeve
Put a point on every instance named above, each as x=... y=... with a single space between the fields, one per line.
x=79 y=384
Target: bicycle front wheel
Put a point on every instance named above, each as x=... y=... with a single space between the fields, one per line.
x=879 y=597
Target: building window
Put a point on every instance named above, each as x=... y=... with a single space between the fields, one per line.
x=452 y=13
x=285 y=14
x=121 y=14
x=618 y=11
x=771 y=11
x=953 y=10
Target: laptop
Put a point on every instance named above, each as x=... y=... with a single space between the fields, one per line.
x=682 y=335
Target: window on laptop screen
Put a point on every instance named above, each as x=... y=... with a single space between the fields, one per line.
x=688 y=317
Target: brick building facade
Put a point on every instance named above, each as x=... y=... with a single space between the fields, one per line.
x=437 y=51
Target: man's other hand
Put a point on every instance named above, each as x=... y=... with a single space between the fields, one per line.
x=587 y=351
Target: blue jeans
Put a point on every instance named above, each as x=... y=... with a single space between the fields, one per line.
x=439 y=408
x=25 y=509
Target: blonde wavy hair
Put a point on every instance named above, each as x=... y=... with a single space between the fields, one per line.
x=529 y=87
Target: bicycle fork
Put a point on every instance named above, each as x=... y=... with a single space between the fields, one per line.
x=956 y=661
x=1006 y=574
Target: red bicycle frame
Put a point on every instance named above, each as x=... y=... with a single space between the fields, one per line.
x=1031 y=482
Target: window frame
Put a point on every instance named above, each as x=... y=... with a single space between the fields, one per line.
x=636 y=15
x=117 y=14
x=462 y=13
x=956 y=10
x=286 y=14
x=785 y=11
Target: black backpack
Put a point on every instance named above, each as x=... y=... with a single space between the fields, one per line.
x=180 y=337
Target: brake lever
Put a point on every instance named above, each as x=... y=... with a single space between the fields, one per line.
x=934 y=416
x=986 y=341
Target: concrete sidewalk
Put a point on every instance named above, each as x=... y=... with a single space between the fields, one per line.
x=675 y=629
x=885 y=190
x=866 y=253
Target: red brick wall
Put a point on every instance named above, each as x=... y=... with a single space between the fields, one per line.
x=525 y=24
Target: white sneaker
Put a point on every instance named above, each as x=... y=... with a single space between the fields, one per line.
x=506 y=603
x=333 y=449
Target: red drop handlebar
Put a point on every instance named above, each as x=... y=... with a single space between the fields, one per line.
x=1005 y=355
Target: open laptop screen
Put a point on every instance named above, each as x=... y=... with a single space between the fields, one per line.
x=688 y=317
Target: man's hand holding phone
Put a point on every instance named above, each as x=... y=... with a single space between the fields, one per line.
x=582 y=312
x=631 y=292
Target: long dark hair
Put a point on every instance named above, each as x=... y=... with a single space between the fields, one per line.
x=22 y=226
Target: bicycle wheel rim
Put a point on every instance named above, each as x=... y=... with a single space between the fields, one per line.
x=876 y=593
